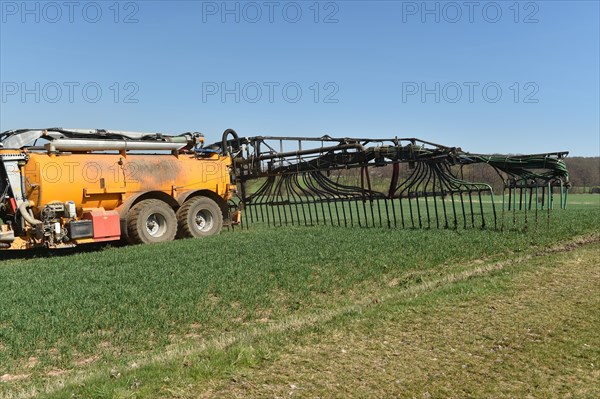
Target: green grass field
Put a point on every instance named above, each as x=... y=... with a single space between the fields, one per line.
x=260 y=311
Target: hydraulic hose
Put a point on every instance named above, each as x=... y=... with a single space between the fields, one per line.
x=226 y=134
x=27 y=215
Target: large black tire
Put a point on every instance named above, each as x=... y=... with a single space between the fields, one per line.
x=151 y=221
x=199 y=217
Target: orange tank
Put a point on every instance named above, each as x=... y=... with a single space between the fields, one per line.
x=108 y=180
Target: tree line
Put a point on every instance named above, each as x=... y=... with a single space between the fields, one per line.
x=584 y=174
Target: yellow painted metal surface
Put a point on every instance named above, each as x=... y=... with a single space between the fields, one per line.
x=10 y=152
x=107 y=180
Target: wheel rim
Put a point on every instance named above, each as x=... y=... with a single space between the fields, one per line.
x=156 y=225
x=204 y=220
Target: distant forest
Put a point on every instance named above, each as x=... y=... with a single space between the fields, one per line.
x=584 y=174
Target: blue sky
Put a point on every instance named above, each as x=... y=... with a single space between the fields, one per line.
x=486 y=76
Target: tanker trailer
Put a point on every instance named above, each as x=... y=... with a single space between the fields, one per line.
x=65 y=187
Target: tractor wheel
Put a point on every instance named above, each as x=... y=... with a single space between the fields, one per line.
x=151 y=221
x=199 y=217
